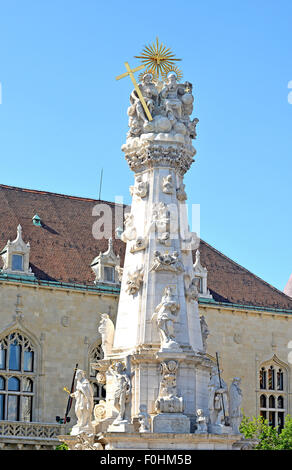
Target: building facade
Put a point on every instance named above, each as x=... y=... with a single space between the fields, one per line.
x=60 y=258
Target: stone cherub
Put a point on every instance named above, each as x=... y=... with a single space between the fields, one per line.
x=202 y=421
x=144 y=419
x=130 y=232
x=140 y=189
x=167 y=184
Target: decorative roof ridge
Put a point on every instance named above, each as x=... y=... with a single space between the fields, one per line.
x=246 y=270
x=67 y=196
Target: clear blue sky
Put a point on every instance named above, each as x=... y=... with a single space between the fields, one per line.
x=63 y=114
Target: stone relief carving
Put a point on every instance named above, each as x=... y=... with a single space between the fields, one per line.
x=130 y=232
x=84 y=441
x=134 y=280
x=205 y=332
x=144 y=419
x=168 y=401
x=167 y=262
x=190 y=241
x=191 y=290
x=100 y=411
x=139 y=244
x=202 y=422
x=153 y=153
x=120 y=271
x=107 y=331
x=181 y=193
x=165 y=315
x=235 y=399
x=140 y=189
x=160 y=222
x=122 y=390
x=83 y=405
x=218 y=398
x=167 y=184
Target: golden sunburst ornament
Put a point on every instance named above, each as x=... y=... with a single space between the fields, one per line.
x=155 y=77
x=157 y=58
x=176 y=70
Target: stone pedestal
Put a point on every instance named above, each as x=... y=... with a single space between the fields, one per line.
x=171 y=423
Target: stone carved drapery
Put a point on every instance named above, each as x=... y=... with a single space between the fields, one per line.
x=218 y=398
x=205 y=332
x=83 y=405
x=107 y=330
x=235 y=400
x=165 y=315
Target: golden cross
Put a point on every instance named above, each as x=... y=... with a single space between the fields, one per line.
x=130 y=72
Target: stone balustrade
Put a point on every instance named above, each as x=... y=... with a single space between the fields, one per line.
x=28 y=435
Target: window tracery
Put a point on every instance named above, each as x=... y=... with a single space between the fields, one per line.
x=17 y=377
x=273 y=397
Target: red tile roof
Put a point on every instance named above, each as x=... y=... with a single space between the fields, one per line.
x=64 y=247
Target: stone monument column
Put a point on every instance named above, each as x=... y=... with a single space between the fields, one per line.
x=160 y=393
x=158 y=334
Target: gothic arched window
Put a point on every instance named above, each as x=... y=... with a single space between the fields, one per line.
x=273 y=397
x=17 y=377
x=99 y=392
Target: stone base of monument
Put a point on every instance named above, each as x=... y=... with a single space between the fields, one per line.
x=219 y=429
x=171 y=423
x=122 y=426
x=157 y=441
x=168 y=441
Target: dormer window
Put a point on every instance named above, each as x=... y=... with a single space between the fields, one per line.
x=36 y=220
x=104 y=266
x=15 y=256
x=201 y=274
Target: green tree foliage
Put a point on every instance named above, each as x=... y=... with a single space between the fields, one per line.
x=268 y=437
x=62 y=446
